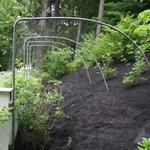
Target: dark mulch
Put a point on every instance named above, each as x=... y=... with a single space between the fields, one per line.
x=100 y=119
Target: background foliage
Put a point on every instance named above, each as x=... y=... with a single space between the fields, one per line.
x=114 y=11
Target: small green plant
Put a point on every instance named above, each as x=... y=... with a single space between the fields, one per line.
x=108 y=71
x=134 y=77
x=4 y=114
x=59 y=113
x=106 y=68
x=144 y=145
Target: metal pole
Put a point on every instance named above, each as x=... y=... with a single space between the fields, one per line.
x=13 y=85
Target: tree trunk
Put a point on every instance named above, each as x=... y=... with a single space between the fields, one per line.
x=42 y=25
x=80 y=23
x=100 y=15
x=56 y=13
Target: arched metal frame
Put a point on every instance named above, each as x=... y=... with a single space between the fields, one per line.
x=34 y=42
x=56 y=18
x=88 y=74
x=66 y=39
x=39 y=37
x=81 y=45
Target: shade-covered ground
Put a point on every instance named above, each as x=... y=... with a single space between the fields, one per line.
x=100 y=119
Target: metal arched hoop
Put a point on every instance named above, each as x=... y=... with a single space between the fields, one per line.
x=55 y=18
x=82 y=19
x=31 y=42
x=70 y=40
x=88 y=74
x=66 y=18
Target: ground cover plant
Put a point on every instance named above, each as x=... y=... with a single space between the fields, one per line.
x=144 y=145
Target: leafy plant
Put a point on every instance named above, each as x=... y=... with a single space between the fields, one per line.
x=9 y=11
x=137 y=28
x=59 y=113
x=144 y=145
x=135 y=75
x=106 y=68
x=109 y=44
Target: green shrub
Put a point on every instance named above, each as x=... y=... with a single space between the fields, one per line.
x=144 y=145
x=109 y=44
x=84 y=53
x=6 y=80
x=75 y=65
x=137 y=28
x=106 y=68
x=55 y=63
x=112 y=45
x=37 y=109
x=32 y=103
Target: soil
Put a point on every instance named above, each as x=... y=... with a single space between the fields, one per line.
x=100 y=119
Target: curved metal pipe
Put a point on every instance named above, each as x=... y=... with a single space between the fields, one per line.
x=70 y=40
x=63 y=38
x=84 y=19
x=29 y=50
x=56 y=18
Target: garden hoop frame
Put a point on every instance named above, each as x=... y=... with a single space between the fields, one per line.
x=80 y=45
x=48 y=45
x=55 y=18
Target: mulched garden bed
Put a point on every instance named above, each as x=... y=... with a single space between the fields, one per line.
x=99 y=119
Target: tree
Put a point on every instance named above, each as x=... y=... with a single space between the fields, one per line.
x=56 y=13
x=100 y=15
x=42 y=25
x=80 y=22
x=7 y=18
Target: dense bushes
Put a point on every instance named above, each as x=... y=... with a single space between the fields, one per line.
x=137 y=28
x=37 y=109
x=10 y=9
